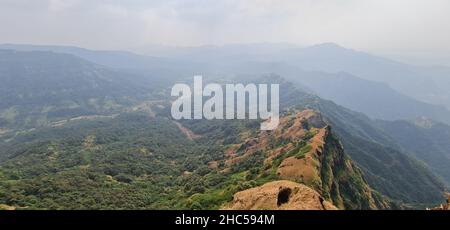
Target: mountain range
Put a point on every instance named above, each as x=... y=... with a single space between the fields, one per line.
x=92 y=129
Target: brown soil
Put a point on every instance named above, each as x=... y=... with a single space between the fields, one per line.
x=279 y=195
x=189 y=134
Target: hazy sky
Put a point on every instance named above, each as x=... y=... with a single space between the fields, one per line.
x=406 y=28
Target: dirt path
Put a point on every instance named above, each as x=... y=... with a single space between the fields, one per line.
x=189 y=134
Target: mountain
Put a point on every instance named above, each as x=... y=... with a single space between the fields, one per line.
x=425 y=84
x=133 y=155
x=388 y=168
x=422 y=83
x=42 y=87
x=162 y=67
x=375 y=99
x=426 y=140
x=112 y=59
x=303 y=149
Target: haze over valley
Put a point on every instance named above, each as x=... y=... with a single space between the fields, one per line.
x=85 y=105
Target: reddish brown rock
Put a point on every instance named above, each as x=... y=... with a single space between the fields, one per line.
x=279 y=195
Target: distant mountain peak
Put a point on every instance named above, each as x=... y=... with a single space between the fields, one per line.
x=328 y=45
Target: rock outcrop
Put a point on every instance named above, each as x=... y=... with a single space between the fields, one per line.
x=279 y=195
x=7 y=207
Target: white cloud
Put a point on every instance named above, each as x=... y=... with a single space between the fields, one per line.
x=410 y=27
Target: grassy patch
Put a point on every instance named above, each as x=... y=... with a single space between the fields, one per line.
x=302 y=151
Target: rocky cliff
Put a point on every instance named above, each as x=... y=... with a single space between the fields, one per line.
x=303 y=150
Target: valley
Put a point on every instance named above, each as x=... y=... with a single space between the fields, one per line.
x=79 y=135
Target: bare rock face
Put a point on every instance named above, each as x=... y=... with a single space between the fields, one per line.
x=279 y=195
x=7 y=207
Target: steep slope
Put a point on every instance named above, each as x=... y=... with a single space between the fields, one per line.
x=374 y=99
x=419 y=83
x=445 y=206
x=426 y=140
x=304 y=150
x=387 y=167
